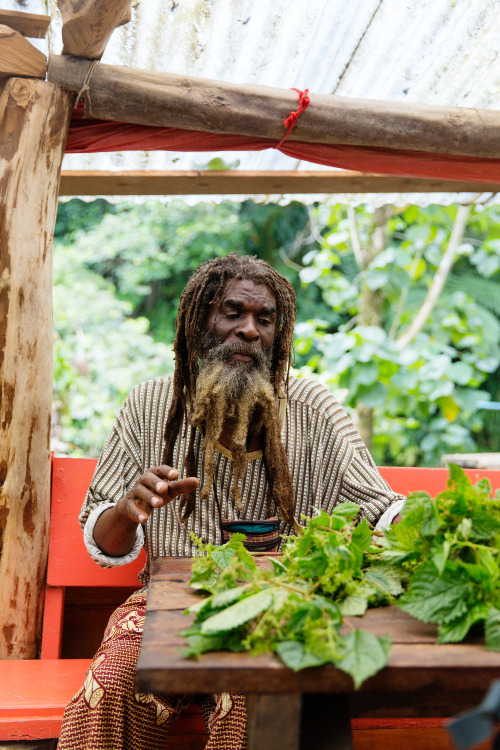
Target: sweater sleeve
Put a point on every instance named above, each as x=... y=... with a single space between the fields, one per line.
x=349 y=472
x=119 y=466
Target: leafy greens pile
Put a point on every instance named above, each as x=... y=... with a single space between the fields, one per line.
x=447 y=551
x=440 y=564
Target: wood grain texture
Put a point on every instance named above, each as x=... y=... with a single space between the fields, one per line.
x=145 y=182
x=88 y=24
x=34 y=117
x=168 y=100
x=416 y=662
x=18 y=57
x=32 y=25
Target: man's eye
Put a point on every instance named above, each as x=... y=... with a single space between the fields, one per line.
x=264 y=322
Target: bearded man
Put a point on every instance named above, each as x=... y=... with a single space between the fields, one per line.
x=231 y=441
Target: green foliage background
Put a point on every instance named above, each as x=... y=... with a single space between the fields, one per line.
x=119 y=271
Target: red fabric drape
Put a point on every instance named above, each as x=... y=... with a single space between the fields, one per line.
x=91 y=136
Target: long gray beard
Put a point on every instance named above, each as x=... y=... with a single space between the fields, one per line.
x=235 y=390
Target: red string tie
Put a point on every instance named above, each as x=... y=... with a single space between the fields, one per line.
x=290 y=121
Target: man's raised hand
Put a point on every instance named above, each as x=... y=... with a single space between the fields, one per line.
x=158 y=486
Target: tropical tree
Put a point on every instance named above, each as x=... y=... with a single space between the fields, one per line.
x=416 y=341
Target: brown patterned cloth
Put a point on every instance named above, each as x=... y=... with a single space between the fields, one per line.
x=108 y=714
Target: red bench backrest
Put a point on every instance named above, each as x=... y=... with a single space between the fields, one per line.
x=409 y=479
x=70 y=565
x=69 y=562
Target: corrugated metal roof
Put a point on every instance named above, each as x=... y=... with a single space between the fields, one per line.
x=427 y=51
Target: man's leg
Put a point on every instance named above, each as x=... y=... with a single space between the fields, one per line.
x=226 y=721
x=107 y=713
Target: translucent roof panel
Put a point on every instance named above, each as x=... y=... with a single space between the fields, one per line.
x=427 y=51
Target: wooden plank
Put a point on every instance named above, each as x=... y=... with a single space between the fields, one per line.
x=18 y=57
x=473 y=460
x=31 y=25
x=152 y=98
x=144 y=182
x=415 y=661
x=88 y=25
x=34 y=118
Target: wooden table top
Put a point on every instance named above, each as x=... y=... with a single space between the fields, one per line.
x=415 y=663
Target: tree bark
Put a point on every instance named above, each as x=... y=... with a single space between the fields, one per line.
x=34 y=118
x=167 y=100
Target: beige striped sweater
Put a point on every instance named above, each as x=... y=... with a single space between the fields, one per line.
x=328 y=461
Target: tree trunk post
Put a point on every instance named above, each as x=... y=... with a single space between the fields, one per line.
x=34 y=119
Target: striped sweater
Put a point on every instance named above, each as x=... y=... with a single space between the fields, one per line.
x=328 y=461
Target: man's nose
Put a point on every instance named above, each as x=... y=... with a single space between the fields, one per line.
x=247 y=329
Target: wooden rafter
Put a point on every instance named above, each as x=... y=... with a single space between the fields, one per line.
x=167 y=100
x=88 y=25
x=28 y=24
x=144 y=182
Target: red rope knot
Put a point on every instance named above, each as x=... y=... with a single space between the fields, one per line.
x=290 y=121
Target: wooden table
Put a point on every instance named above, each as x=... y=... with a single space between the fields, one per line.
x=311 y=708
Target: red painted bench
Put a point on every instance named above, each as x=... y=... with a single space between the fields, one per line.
x=80 y=596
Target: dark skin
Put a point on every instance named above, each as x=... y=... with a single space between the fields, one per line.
x=246 y=313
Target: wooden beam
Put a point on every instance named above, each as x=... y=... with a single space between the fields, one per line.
x=34 y=118
x=143 y=182
x=167 y=100
x=28 y=24
x=88 y=24
x=18 y=57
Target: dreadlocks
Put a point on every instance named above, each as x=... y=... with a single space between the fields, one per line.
x=204 y=289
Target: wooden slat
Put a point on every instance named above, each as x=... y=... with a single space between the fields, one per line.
x=415 y=661
x=28 y=24
x=147 y=97
x=18 y=57
x=144 y=182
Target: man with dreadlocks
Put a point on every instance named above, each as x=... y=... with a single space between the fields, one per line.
x=231 y=442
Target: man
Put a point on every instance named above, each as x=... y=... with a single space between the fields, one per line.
x=231 y=437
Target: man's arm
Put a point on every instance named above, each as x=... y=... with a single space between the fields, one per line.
x=116 y=528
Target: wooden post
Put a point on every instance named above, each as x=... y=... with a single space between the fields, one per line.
x=88 y=24
x=34 y=119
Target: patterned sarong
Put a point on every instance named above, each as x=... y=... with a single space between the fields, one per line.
x=108 y=714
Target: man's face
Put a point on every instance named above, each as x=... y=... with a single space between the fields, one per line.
x=244 y=321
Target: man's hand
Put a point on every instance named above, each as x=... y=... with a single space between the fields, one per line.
x=397 y=519
x=156 y=487
x=115 y=529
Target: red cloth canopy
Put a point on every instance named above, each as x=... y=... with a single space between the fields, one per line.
x=91 y=136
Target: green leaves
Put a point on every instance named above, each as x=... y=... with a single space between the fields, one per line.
x=238 y=614
x=441 y=561
x=365 y=654
x=295 y=609
x=434 y=598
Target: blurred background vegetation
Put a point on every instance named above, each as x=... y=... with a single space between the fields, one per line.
x=398 y=311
